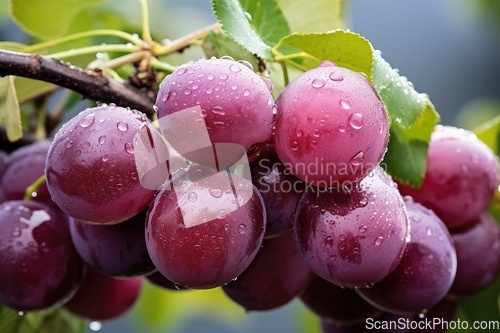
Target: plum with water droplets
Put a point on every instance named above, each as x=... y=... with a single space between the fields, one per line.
x=461 y=177
x=478 y=256
x=279 y=188
x=117 y=250
x=207 y=229
x=426 y=271
x=22 y=168
x=39 y=267
x=91 y=170
x=101 y=297
x=236 y=103
x=331 y=127
x=340 y=305
x=353 y=237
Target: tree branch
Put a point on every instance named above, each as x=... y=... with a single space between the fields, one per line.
x=90 y=83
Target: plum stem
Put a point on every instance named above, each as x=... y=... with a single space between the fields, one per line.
x=33 y=188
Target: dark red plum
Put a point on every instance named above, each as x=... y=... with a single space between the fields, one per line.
x=91 y=170
x=39 y=267
x=276 y=275
x=117 y=250
x=426 y=272
x=101 y=297
x=236 y=103
x=354 y=237
x=478 y=256
x=340 y=305
x=279 y=188
x=331 y=126
x=461 y=177
x=23 y=167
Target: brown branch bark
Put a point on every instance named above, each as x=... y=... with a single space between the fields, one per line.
x=90 y=83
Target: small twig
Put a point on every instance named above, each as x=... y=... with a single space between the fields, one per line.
x=90 y=83
x=185 y=41
x=28 y=195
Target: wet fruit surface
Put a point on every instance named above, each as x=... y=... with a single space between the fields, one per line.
x=91 y=170
x=426 y=271
x=276 y=275
x=331 y=127
x=353 y=238
x=207 y=231
x=39 y=267
x=236 y=103
x=461 y=176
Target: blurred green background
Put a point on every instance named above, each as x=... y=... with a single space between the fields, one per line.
x=449 y=49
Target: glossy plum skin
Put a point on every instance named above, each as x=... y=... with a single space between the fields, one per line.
x=276 y=275
x=331 y=127
x=336 y=304
x=236 y=103
x=39 y=267
x=215 y=244
x=160 y=280
x=478 y=256
x=444 y=311
x=101 y=297
x=91 y=170
x=354 y=238
x=22 y=168
x=461 y=177
x=117 y=250
x=426 y=272
x=279 y=188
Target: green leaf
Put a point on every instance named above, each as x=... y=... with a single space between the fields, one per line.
x=40 y=322
x=10 y=113
x=33 y=15
x=267 y=19
x=406 y=157
x=412 y=114
x=315 y=16
x=489 y=133
x=235 y=22
x=218 y=45
x=346 y=49
x=398 y=94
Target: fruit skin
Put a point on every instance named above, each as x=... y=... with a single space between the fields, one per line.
x=39 y=267
x=354 y=238
x=444 y=311
x=478 y=256
x=159 y=280
x=280 y=191
x=214 y=245
x=461 y=176
x=426 y=271
x=330 y=132
x=28 y=161
x=101 y=297
x=117 y=250
x=383 y=323
x=276 y=275
x=336 y=304
x=91 y=170
x=237 y=105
